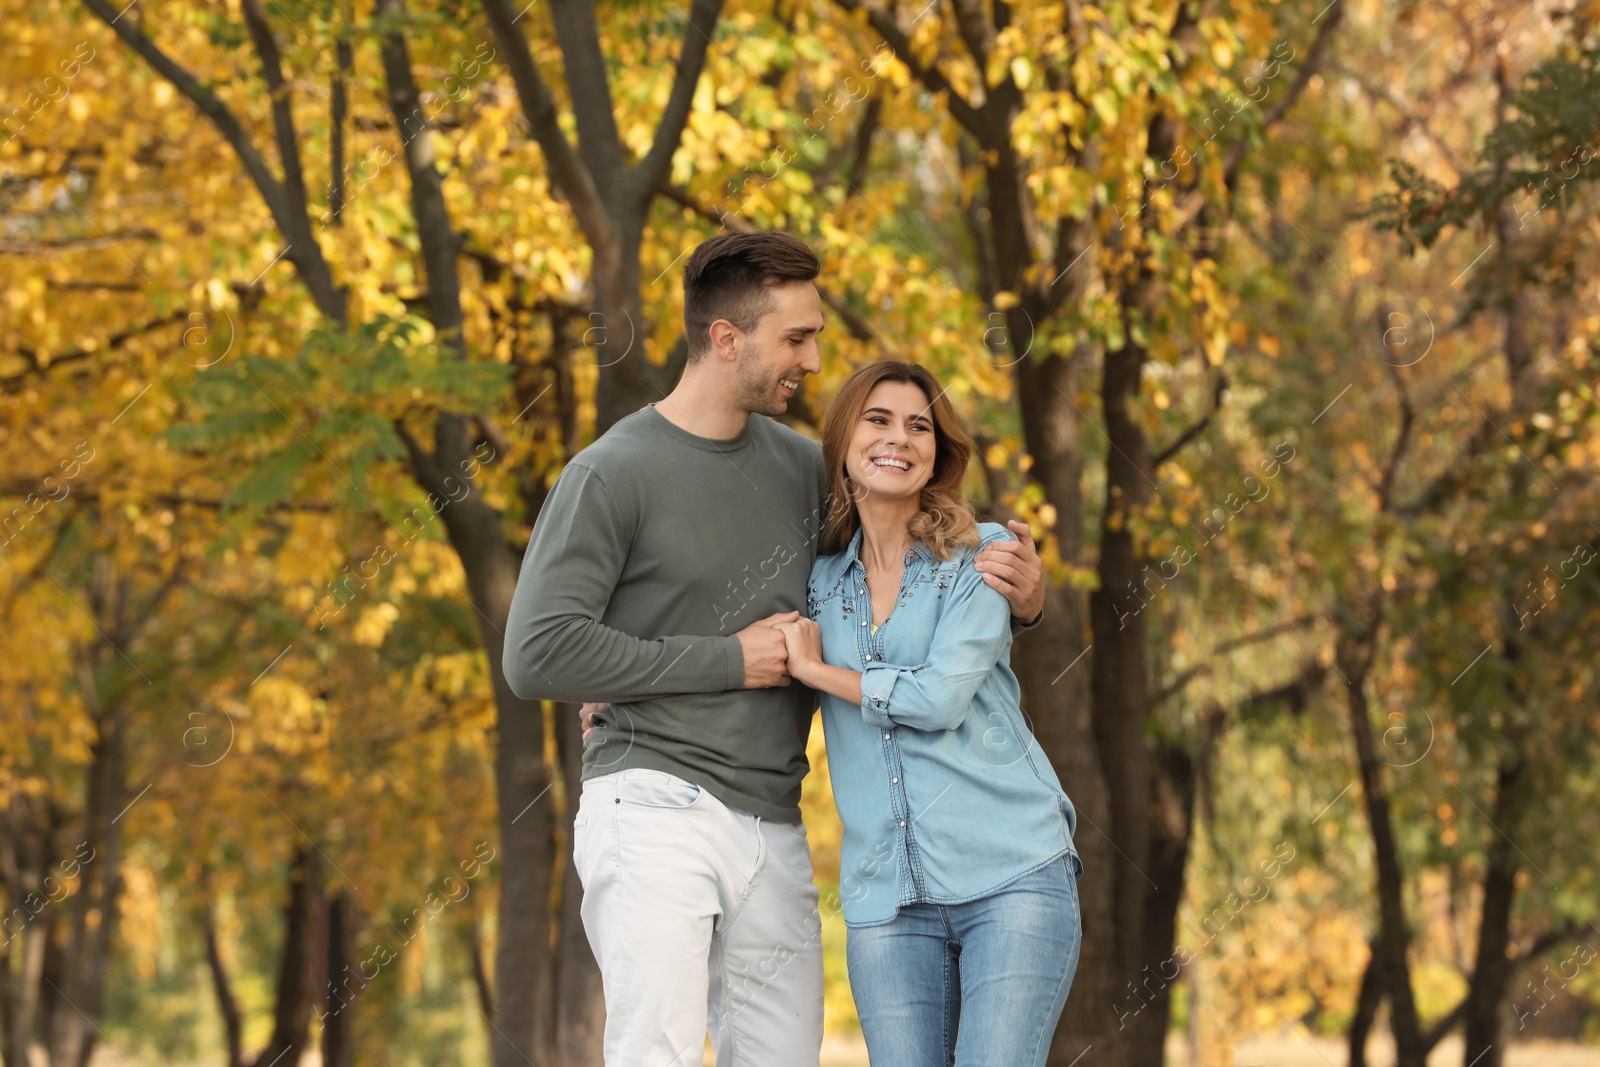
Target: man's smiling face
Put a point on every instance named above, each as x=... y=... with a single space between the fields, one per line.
x=782 y=349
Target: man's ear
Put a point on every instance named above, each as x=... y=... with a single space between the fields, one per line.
x=724 y=340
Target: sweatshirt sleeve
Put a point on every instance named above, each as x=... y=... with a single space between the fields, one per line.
x=556 y=647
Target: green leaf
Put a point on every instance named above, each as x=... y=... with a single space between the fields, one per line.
x=273 y=479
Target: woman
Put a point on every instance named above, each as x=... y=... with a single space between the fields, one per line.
x=958 y=874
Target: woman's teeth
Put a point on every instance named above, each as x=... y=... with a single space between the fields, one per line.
x=896 y=464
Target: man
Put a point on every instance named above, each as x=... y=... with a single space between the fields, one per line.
x=658 y=569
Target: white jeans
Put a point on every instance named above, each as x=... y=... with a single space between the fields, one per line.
x=702 y=918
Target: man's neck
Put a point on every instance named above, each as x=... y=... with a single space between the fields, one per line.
x=701 y=406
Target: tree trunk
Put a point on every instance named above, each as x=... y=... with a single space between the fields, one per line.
x=1393 y=939
x=222 y=986
x=1119 y=681
x=615 y=341
x=291 y=1016
x=524 y=1023
x=1053 y=666
x=30 y=914
x=1172 y=799
x=92 y=918
x=338 y=1026
x=1491 y=970
x=581 y=1011
x=1368 y=999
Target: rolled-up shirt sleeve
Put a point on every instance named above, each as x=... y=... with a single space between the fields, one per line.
x=973 y=632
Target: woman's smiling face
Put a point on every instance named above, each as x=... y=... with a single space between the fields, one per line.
x=892 y=451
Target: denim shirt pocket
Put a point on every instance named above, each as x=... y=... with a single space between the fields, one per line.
x=818 y=597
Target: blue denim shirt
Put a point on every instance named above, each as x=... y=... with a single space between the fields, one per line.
x=944 y=794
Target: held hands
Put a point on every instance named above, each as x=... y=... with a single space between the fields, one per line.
x=586 y=717
x=803 y=640
x=766 y=654
x=766 y=650
x=1014 y=568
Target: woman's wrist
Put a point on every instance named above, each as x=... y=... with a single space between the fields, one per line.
x=804 y=671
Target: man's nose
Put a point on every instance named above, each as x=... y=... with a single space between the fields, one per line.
x=813 y=360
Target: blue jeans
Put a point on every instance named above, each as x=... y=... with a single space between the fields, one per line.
x=979 y=984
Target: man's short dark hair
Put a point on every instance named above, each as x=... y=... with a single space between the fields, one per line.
x=728 y=276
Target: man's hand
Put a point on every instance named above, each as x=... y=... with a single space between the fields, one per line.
x=766 y=656
x=1014 y=568
x=586 y=716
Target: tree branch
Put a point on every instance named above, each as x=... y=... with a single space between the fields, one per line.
x=204 y=99
x=589 y=90
x=440 y=245
x=1233 y=159
x=1204 y=667
x=567 y=171
x=1219 y=386
x=1408 y=417
x=1314 y=57
x=303 y=250
x=99 y=240
x=652 y=170
x=40 y=366
x=976 y=34
x=285 y=200
x=338 y=108
x=896 y=38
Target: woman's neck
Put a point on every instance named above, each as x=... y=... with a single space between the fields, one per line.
x=884 y=536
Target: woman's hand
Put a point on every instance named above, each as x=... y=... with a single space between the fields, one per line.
x=586 y=716
x=803 y=639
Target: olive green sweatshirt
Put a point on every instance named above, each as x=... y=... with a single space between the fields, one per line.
x=654 y=548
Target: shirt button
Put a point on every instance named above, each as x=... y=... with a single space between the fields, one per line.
x=902 y=822
x=863 y=622
x=894 y=781
x=886 y=737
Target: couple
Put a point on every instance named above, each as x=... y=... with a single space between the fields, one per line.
x=665 y=583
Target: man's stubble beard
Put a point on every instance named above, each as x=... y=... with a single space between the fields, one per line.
x=758 y=394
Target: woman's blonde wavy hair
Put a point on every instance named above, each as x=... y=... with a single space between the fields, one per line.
x=946 y=520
